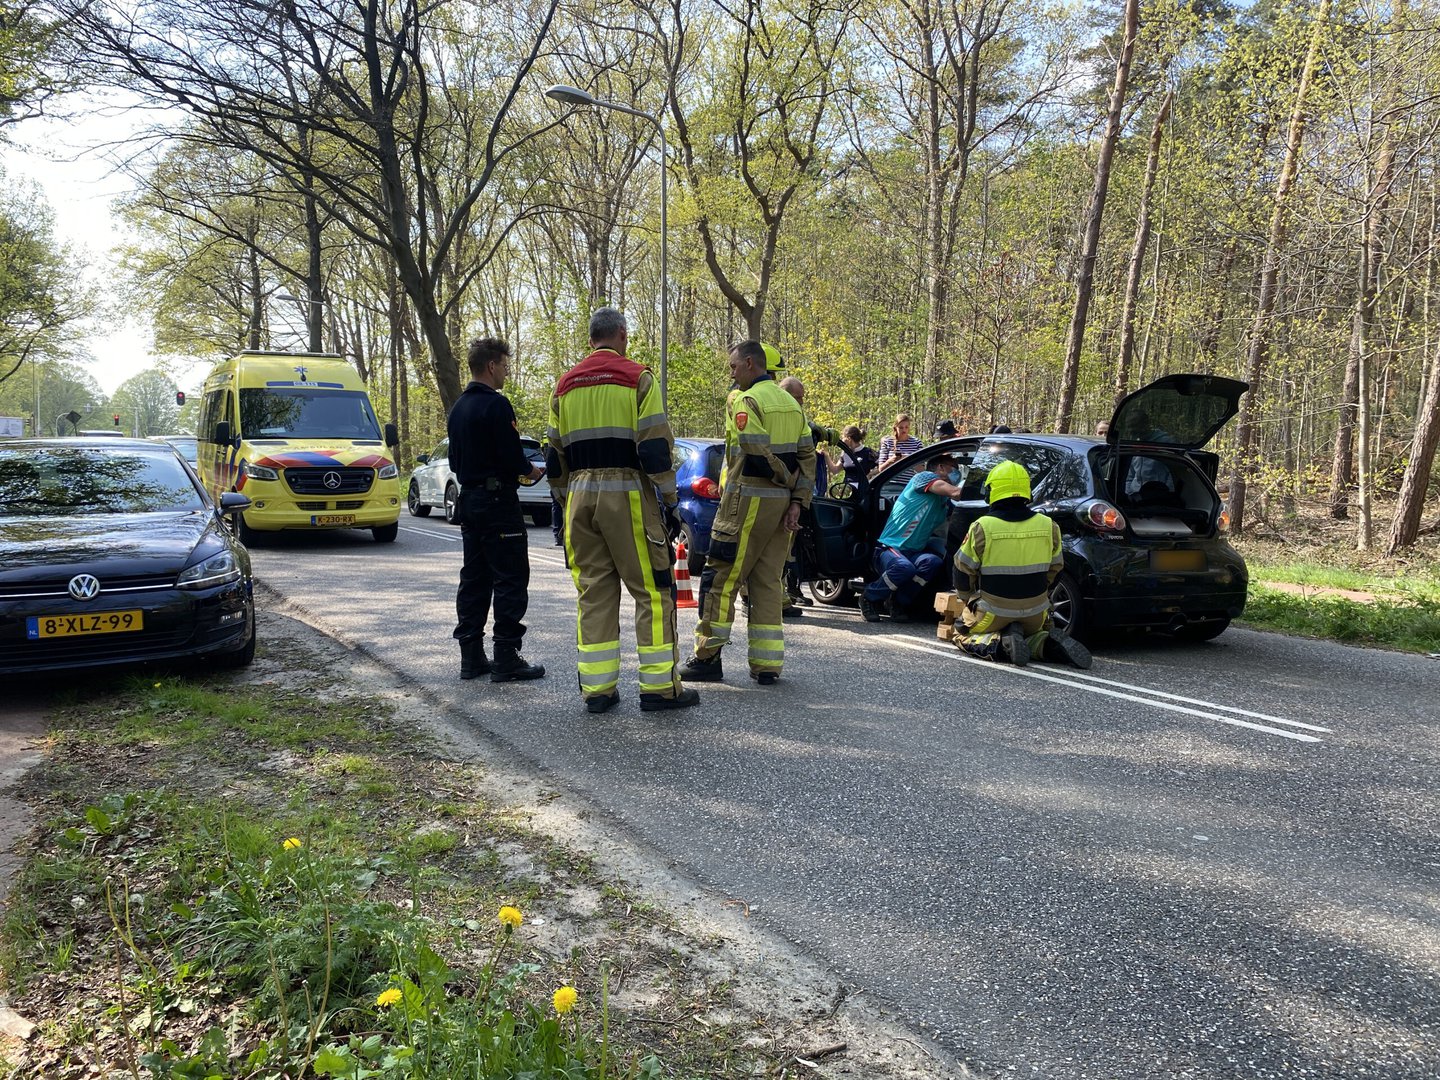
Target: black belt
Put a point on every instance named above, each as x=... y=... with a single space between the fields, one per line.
x=491 y=484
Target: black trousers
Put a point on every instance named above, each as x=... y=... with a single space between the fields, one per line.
x=497 y=565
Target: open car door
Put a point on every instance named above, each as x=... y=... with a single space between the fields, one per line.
x=834 y=536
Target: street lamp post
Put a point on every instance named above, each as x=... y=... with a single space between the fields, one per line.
x=313 y=333
x=571 y=95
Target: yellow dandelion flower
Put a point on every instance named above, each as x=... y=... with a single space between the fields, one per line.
x=293 y=843
x=510 y=916
x=388 y=997
x=565 y=999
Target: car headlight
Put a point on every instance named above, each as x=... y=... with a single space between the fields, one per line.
x=388 y=472
x=216 y=570
x=260 y=472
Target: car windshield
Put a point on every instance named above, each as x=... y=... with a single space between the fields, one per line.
x=304 y=412
x=47 y=481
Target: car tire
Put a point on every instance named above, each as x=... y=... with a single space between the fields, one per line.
x=241 y=657
x=1208 y=630
x=452 y=503
x=386 y=534
x=695 y=560
x=413 y=503
x=247 y=536
x=1067 y=608
x=831 y=591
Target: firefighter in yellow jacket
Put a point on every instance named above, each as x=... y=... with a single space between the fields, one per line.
x=1010 y=557
x=769 y=477
x=610 y=463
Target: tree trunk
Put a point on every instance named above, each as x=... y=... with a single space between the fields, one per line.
x=257 y=301
x=1416 y=482
x=1084 y=285
x=1137 y=253
x=1259 y=352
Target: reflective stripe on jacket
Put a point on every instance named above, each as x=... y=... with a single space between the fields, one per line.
x=768 y=448
x=607 y=414
x=1011 y=563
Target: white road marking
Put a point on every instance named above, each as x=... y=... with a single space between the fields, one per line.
x=1200 y=701
x=432 y=533
x=908 y=643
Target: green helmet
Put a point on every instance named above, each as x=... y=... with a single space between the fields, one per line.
x=1007 y=480
x=773 y=360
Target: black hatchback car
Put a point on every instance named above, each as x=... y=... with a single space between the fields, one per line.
x=112 y=553
x=1142 y=523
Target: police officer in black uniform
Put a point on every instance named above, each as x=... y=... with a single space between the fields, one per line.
x=487 y=459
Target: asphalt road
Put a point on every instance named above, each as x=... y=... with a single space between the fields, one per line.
x=1217 y=860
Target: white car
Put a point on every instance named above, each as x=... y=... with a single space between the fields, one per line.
x=433 y=485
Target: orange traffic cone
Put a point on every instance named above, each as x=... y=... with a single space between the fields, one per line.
x=684 y=597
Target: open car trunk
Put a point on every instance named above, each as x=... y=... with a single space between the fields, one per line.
x=1163 y=495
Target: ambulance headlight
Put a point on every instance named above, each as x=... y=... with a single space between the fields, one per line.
x=388 y=472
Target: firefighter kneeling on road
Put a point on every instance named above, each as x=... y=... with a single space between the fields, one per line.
x=1010 y=558
x=769 y=477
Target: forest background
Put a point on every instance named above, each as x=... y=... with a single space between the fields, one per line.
x=996 y=211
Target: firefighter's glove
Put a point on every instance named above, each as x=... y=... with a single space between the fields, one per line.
x=673 y=524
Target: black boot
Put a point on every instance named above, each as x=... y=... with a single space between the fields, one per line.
x=473 y=661
x=683 y=700
x=1064 y=649
x=1014 y=645
x=698 y=670
x=510 y=666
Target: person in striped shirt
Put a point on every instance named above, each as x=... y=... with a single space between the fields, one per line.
x=899 y=443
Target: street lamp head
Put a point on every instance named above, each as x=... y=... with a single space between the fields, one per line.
x=570 y=95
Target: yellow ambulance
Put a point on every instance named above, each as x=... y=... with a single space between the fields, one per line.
x=296 y=432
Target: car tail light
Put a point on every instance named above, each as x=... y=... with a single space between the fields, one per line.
x=1223 y=521
x=705 y=487
x=1101 y=516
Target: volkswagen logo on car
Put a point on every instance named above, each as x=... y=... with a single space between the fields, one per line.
x=84 y=587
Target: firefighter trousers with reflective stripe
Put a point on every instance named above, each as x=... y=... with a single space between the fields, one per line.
x=983 y=629
x=613 y=537
x=750 y=549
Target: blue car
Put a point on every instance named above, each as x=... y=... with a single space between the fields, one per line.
x=697 y=481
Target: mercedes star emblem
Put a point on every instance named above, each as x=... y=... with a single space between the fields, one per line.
x=332 y=480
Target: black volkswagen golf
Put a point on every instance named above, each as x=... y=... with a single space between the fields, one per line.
x=112 y=553
x=1142 y=523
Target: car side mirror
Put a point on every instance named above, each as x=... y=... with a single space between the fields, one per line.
x=392 y=435
x=233 y=501
x=222 y=433
x=422 y=459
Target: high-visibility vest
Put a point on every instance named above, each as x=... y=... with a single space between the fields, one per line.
x=768 y=448
x=1015 y=562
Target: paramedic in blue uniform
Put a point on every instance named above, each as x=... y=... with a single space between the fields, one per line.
x=488 y=461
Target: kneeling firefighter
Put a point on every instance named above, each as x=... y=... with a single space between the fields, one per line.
x=1009 y=559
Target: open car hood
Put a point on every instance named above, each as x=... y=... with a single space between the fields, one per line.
x=1179 y=411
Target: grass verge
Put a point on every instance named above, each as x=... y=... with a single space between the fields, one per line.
x=1412 y=625
x=239 y=880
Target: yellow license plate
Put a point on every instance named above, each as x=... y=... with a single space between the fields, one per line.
x=103 y=622
x=1177 y=560
x=332 y=519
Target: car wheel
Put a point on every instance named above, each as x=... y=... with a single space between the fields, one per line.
x=831 y=591
x=386 y=534
x=413 y=503
x=1202 y=631
x=695 y=560
x=1067 y=609
x=248 y=536
x=452 y=500
x=242 y=657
